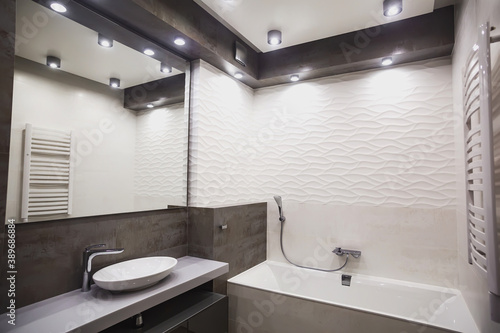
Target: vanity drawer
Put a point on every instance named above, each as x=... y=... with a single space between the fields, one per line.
x=196 y=311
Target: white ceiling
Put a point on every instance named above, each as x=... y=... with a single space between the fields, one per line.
x=302 y=21
x=78 y=50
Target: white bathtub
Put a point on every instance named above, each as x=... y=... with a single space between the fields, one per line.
x=277 y=297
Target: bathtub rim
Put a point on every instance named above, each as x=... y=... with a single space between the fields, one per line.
x=453 y=291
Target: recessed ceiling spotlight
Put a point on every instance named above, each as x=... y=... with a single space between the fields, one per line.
x=179 y=41
x=104 y=41
x=274 y=37
x=387 y=61
x=114 y=82
x=294 y=78
x=150 y=106
x=164 y=68
x=392 y=7
x=238 y=75
x=53 y=62
x=149 y=52
x=58 y=7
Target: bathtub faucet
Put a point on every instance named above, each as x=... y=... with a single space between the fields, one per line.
x=340 y=252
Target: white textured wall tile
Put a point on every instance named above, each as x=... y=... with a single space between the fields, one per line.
x=373 y=138
x=220 y=171
x=160 y=157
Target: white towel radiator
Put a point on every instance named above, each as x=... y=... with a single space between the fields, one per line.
x=47 y=172
x=483 y=239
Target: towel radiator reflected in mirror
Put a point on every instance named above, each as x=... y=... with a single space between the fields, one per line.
x=47 y=172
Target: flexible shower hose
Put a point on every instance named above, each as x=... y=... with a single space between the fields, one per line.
x=313 y=268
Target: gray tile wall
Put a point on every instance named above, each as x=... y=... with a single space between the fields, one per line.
x=242 y=244
x=49 y=254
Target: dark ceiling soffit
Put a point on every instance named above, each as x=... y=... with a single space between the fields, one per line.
x=418 y=38
x=437 y=52
x=413 y=39
x=167 y=91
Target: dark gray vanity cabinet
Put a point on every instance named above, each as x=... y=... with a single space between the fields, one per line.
x=211 y=320
x=183 y=328
x=196 y=311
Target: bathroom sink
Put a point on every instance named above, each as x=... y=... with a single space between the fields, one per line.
x=134 y=274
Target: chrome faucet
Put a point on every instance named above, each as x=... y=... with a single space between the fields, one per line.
x=88 y=254
x=340 y=252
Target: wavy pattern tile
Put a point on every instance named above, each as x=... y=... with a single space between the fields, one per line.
x=160 y=156
x=382 y=137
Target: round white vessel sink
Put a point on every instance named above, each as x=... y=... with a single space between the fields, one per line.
x=134 y=274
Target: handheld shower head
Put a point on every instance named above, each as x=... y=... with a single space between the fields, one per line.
x=280 y=207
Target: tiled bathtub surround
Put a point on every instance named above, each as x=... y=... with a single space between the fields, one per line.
x=254 y=310
x=411 y=244
x=242 y=244
x=49 y=254
x=362 y=160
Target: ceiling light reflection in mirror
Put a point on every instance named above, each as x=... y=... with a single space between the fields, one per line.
x=77 y=47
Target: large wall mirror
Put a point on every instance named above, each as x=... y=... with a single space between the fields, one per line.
x=80 y=147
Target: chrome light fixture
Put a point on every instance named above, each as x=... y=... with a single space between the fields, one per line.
x=179 y=41
x=164 y=68
x=392 y=7
x=56 y=6
x=386 y=61
x=114 y=82
x=274 y=37
x=104 y=41
x=53 y=62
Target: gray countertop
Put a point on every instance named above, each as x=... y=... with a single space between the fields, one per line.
x=98 y=309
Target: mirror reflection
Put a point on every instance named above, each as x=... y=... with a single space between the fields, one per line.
x=84 y=139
